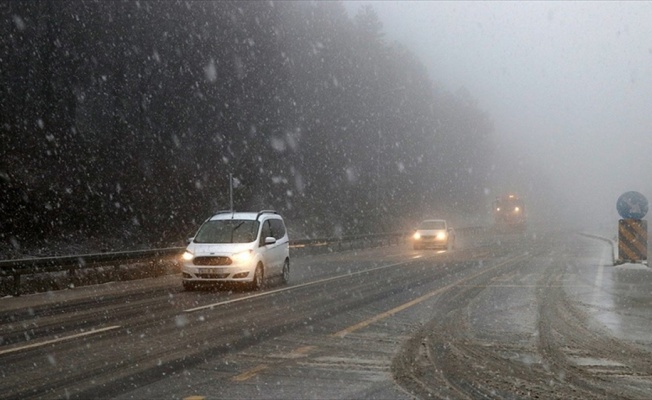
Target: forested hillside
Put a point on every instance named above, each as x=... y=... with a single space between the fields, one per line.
x=125 y=119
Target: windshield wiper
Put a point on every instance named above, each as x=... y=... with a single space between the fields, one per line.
x=234 y=229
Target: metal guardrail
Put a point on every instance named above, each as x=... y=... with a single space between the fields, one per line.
x=27 y=266
x=16 y=268
x=611 y=242
x=340 y=242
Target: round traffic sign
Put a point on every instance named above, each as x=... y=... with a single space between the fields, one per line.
x=632 y=205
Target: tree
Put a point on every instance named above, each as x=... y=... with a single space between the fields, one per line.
x=124 y=119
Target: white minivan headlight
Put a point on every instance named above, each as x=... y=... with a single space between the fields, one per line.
x=187 y=256
x=242 y=257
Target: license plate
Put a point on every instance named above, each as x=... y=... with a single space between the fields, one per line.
x=212 y=271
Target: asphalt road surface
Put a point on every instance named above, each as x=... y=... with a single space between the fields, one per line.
x=501 y=316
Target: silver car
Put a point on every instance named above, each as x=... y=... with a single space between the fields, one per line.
x=434 y=233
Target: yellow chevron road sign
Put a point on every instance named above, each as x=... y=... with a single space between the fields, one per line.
x=632 y=240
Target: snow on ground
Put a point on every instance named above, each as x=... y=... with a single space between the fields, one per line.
x=633 y=266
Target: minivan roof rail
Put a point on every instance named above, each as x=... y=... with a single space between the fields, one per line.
x=265 y=212
x=222 y=212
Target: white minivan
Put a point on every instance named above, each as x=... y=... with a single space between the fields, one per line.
x=245 y=247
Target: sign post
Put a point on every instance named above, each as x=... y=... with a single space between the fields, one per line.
x=632 y=229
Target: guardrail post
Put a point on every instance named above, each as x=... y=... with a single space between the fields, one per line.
x=16 y=284
x=71 y=275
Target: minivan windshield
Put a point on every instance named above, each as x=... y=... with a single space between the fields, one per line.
x=227 y=231
x=430 y=225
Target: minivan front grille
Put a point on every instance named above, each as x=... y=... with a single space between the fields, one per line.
x=213 y=260
x=212 y=276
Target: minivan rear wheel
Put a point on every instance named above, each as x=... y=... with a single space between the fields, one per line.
x=286 y=271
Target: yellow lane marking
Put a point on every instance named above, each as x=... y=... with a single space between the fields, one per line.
x=296 y=353
x=250 y=373
x=62 y=339
x=420 y=299
x=348 y=275
x=195 y=398
x=303 y=350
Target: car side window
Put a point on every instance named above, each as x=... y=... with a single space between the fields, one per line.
x=278 y=228
x=265 y=232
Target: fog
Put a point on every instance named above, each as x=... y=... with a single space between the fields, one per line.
x=568 y=86
x=128 y=125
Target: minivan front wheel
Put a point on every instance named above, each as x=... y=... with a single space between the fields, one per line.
x=259 y=275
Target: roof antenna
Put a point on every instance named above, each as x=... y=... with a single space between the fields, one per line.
x=231 y=189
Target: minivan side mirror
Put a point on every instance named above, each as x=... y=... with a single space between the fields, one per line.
x=269 y=240
x=189 y=240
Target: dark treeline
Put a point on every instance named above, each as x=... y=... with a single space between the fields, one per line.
x=125 y=118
